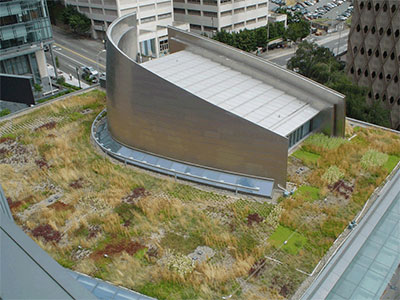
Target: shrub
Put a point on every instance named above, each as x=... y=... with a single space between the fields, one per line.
x=4 y=112
x=37 y=87
x=332 y=175
x=373 y=158
x=61 y=80
x=323 y=141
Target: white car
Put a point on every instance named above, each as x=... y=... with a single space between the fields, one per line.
x=90 y=71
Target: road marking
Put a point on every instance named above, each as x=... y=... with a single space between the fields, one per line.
x=73 y=67
x=70 y=58
x=85 y=50
x=76 y=53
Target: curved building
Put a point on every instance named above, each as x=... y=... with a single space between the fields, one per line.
x=212 y=107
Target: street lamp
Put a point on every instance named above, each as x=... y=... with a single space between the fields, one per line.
x=77 y=75
x=98 y=64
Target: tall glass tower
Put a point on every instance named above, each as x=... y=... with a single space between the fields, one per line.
x=24 y=33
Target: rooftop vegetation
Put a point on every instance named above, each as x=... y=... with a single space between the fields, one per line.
x=175 y=240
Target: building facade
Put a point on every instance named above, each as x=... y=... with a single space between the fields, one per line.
x=216 y=110
x=373 y=55
x=24 y=33
x=153 y=16
x=210 y=16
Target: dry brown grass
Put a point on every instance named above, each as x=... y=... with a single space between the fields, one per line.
x=165 y=215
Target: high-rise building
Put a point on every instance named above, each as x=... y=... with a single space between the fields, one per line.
x=24 y=33
x=152 y=18
x=373 y=55
x=210 y=16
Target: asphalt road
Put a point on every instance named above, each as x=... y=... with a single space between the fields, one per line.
x=331 y=41
x=74 y=51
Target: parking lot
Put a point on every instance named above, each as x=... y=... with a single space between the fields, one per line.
x=326 y=9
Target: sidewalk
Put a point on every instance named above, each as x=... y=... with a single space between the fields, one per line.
x=68 y=79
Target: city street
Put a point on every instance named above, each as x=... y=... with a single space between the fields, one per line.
x=331 y=41
x=74 y=51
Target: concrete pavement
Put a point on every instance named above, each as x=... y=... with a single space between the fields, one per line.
x=69 y=78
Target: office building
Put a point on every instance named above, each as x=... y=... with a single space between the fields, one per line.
x=210 y=16
x=24 y=34
x=152 y=18
x=373 y=55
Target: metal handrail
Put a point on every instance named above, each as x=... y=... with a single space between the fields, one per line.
x=119 y=156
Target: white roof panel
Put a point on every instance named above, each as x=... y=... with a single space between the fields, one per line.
x=231 y=90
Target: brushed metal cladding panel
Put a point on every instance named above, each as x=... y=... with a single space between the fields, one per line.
x=147 y=112
x=319 y=96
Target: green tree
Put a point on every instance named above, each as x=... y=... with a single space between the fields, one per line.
x=67 y=13
x=312 y=61
x=319 y=64
x=356 y=104
x=249 y=40
x=261 y=36
x=297 y=30
x=78 y=22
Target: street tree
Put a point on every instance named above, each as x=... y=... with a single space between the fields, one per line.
x=319 y=64
x=78 y=22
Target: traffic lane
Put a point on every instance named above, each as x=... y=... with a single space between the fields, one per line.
x=339 y=40
x=282 y=60
x=68 y=62
x=88 y=47
x=67 y=65
x=78 y=59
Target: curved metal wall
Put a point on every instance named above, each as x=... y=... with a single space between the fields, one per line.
x=149 y=113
